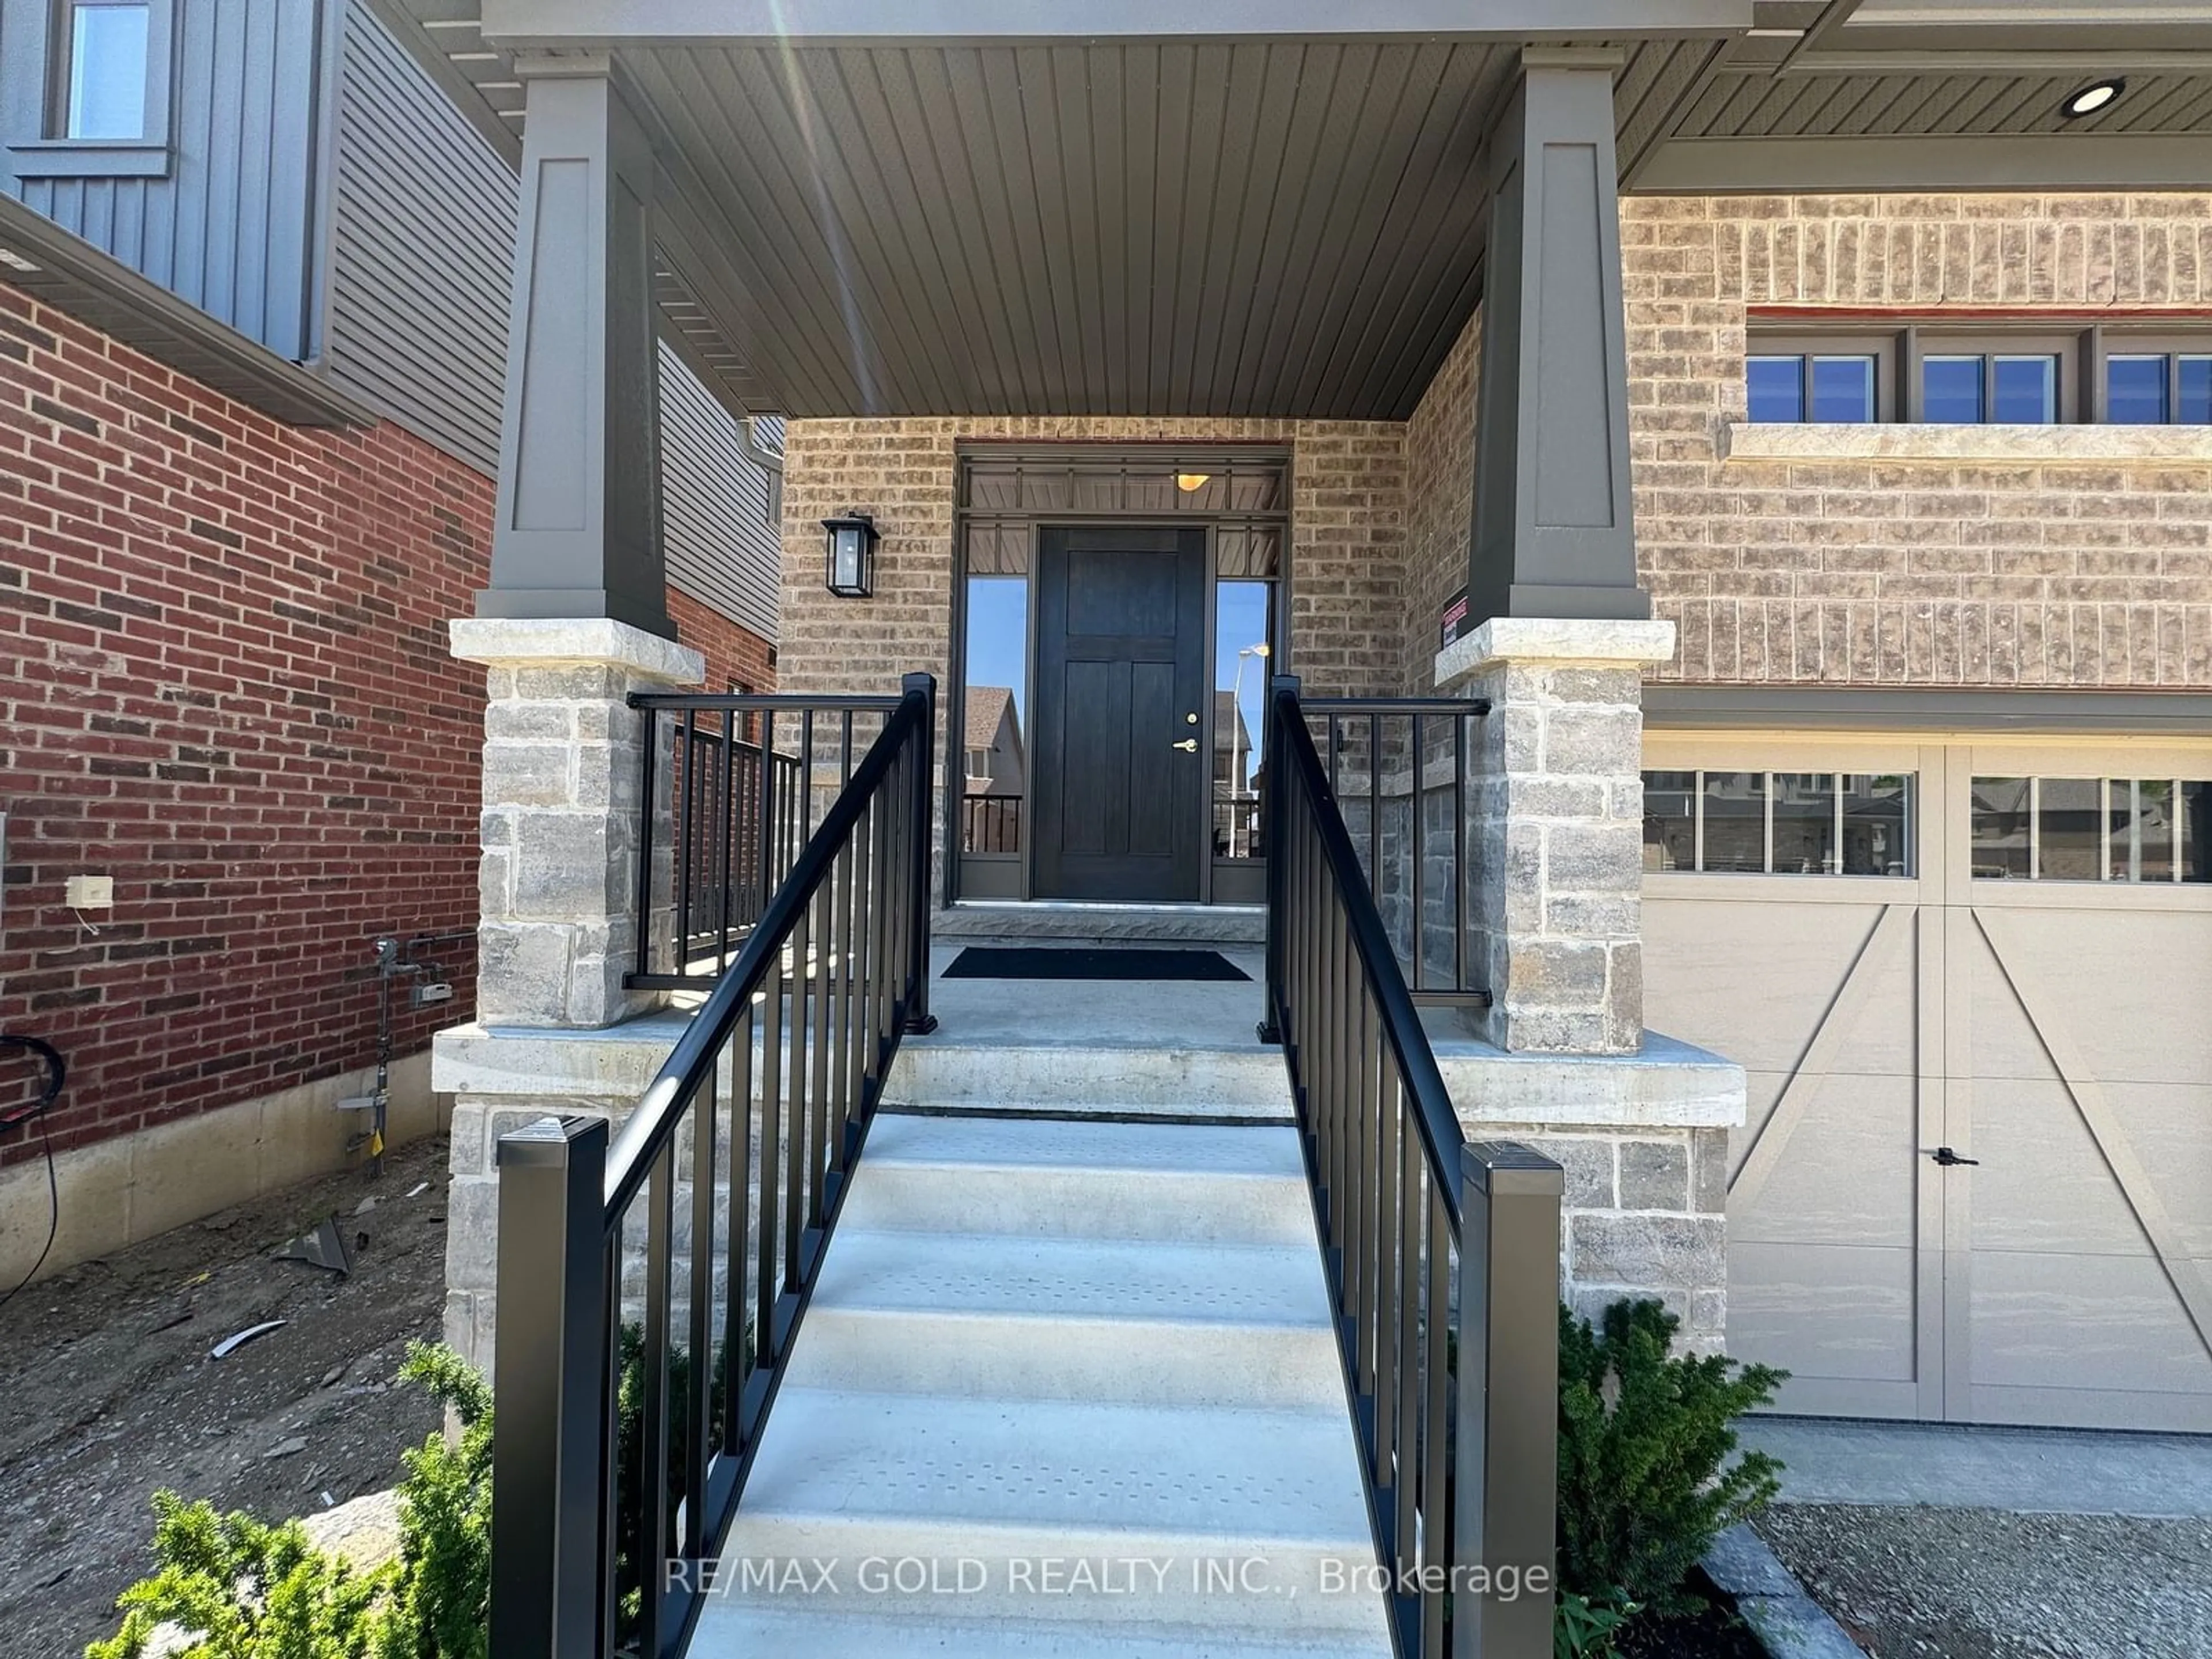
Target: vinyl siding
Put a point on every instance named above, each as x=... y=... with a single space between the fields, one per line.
x=423 y=256
x=724 y=548
x=231 y=229
x=423 y=236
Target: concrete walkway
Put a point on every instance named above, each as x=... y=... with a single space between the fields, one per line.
x=2051 y=1471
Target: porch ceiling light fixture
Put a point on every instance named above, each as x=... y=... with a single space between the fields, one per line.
x=1189 y=482
x=2094 y=97
x=852 y=556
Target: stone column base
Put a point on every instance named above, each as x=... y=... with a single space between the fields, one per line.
x=1644 y=1139
x=1555 y=810
x=563 y=772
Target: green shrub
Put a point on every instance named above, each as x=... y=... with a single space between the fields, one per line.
x=1643 y=1441
x=248 y=1590
x=1582 y=1627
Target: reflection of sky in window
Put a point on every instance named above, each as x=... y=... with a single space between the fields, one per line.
x=997 y=635
x=1240 y=623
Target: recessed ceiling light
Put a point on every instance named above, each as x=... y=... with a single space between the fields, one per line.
x=2093 y=98
x=15 y=261
x=1188 y=482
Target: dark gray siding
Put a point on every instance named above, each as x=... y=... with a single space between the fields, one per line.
x=423 y=245
x=421 y=234
x=722 y=548
x=230 y=229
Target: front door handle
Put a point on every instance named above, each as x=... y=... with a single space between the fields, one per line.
x=1188 y=745
x=1945 y=1157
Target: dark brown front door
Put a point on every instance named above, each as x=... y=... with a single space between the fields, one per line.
x=1122 y=750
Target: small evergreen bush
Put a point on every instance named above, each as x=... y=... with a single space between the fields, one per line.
x=1643 y=1438
x=248 y=1590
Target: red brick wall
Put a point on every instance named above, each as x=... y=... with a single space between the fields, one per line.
x=735 y=656
x=224 y=683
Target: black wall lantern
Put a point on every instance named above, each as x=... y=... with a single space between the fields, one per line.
x=851 y=573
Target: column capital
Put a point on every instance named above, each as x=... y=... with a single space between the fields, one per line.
x=1554 y=642
x=598 y=641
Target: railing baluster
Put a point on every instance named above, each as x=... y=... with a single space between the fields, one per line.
x=652 y=1475
x=1435 y=1446
x=738 y=1298
x=1417 y=841
x=699 y=1391
x=648 y=814
x=824 y=1157
x=798 y=1155
x=1462 y=878
x=766 y=1338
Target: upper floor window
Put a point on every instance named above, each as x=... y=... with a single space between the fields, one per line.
x=2159 y=388
x=2010 y=388
x=104 y=49
x=1817 y=387
x=1944 y=373
x=1783 y=823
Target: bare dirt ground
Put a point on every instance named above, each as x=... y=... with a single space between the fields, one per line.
x=109 y=1392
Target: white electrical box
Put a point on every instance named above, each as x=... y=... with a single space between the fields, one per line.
x=91 y=892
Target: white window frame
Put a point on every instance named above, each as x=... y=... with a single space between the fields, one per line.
x=1830 y=770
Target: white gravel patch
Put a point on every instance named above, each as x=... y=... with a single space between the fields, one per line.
x=1926 y=1582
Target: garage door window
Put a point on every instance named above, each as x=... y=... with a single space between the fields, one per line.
x=1784 y=823
x=2135 y=830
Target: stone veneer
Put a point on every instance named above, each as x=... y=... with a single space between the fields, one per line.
x=562 y=767
x=1554 y=817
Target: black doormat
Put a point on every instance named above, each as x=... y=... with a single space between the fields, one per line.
x=989 y=962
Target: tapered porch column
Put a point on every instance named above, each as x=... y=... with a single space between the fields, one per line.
x=578 y=526
x=576 y=616
x=1552 y=532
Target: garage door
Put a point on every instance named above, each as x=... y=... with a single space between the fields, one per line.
x=1970 y=983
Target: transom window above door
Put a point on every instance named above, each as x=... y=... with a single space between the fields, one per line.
x=1792 y=824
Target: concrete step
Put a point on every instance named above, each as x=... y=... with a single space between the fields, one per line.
x=752 y=1627
x=950 y=1073
x=1063 y=922
x=1090 y=1179
x=1170 y=1507
x=1059 y=1318
x=1064 y=1387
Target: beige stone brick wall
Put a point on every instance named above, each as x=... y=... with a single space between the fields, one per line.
x=1439 y=504
x=2094 y=571
x=1348 y=512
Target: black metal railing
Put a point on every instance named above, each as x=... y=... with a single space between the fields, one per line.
x=732 y=785
x=648 y=1292
x=991 y=823
x=1398 y=767
x=1454 y=1407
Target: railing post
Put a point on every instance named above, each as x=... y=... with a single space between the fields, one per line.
x=549 y=1370
x=920 y=1022
x=1271 y=1029
x=1506 y=1501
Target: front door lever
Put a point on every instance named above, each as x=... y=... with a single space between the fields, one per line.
x=1188 y=745
x=1947 y=1158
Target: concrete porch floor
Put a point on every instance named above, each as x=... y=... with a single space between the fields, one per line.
x=2049 y=1471
x=1138 y=1047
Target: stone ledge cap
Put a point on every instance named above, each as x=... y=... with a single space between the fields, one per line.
x=1929 y=442
x=600 y=641
x=1555 y=642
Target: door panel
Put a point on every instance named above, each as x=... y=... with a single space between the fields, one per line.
x=2053 y=1032
x=1121 y=667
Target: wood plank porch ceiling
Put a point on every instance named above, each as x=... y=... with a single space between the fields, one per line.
x=1272 y=226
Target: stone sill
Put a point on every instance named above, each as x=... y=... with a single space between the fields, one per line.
x=1668 y=1085
x=1810 y=440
